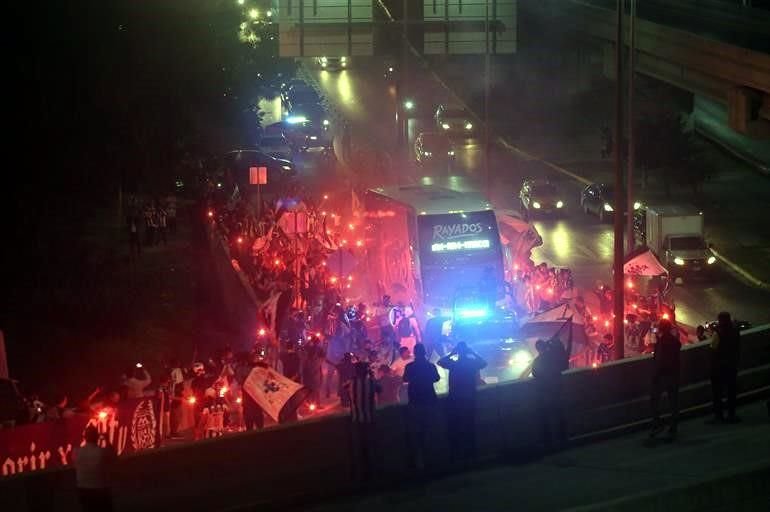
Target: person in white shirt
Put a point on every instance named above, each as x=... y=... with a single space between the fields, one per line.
x=92 y=472
x=137 y=383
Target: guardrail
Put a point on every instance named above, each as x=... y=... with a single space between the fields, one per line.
x=289 y=465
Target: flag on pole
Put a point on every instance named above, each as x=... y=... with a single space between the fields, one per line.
x=277 y=395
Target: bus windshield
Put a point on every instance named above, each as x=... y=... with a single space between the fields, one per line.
x=457 y=251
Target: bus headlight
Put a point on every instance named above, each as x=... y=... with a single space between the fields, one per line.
x=445 y=126
x=559 y=204
x=469 y=126
x=711 y=260
x=521 y=358
x=608 y=207
x=679 y=261
x=536 y=205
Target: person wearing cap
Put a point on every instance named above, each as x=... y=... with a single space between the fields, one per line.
x=92 y=472
x=666 y=363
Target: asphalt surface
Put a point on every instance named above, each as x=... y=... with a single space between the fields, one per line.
x=590 y=474
x=363 y=97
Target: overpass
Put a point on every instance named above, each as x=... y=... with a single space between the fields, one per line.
x=718 y=51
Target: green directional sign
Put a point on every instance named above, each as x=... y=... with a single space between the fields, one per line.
x=324 y=28
x=460 y=26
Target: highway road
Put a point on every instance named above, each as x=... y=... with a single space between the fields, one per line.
x=367 y=101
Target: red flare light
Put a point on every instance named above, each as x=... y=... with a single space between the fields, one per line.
x=326 y=196
x=351 y=227
x=312 y=407
x=239 y=240
x=261 y=332
x=318 y=335
x=323 y=214
x=102 y=415
x=210 y=213
x=606 y=323
x=277 y=262
x=595 y=318
x=191 y=400
x=238 y=400
x=594 y=364
x=537 y=287
x=359 y=243
x=630 y=285
x=550 y=291
x=333 y=279
x=665 y=316
x=634 y=306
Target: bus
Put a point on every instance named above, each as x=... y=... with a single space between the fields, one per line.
x=433 y=247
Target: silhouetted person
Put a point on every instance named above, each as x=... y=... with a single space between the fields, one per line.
x=725 y=354
x=552 y=359
x=420 y=375
x=434 y=337
x=665 y=376
x=362 y=389
x=92 y=472
x=464 y=366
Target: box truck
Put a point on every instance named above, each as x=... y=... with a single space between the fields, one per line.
x=675 y=235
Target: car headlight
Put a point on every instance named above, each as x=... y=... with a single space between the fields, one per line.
x=445 y=126
x=427 y=153
x=343 y=59
x=520 y=358
x=608 y=207
x=450 y=153
x=286 y=168
x=343 y=64
x=323 y=60
x=637 y=205
x=323 y=64
x=559 y=204
x=711 y=260
x=679 y=261
x=326 y=122
x=469 y=126
x=535 y=205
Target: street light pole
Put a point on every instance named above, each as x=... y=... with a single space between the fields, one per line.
x=487 y=86
x=617 y=276
x=631 y=145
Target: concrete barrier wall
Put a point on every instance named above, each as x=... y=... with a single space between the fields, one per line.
x=311 y=460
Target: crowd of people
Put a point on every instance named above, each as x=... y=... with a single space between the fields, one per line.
x=536 y=287
x=155 y=218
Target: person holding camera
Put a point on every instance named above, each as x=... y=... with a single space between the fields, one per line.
x=464 y=366
x=665 y=376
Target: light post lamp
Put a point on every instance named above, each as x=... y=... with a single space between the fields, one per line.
x=619 y=224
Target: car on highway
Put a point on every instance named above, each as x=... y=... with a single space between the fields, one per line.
x=433 y=147
x=333 y=63
x=299 y=94
x=597 y=199
x=276 y=146
x=308 y=114
x=539 y=196
x=454 y=120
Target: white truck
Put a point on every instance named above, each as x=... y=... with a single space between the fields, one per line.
x=675 y=235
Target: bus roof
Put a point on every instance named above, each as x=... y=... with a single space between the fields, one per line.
x=433 y=200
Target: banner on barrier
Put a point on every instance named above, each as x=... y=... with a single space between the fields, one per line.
x=131 y=427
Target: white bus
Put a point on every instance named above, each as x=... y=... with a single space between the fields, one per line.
x=427 y=245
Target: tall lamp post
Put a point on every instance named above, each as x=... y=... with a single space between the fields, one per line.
x=631 y=146
x=617 y=276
